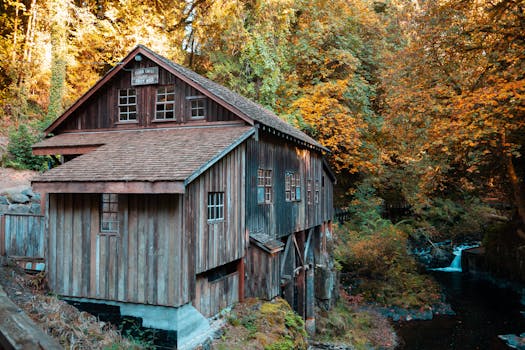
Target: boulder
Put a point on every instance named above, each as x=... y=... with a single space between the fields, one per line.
x=440 y=257
x=4 y=208
x=19 y=209
x=28 y=192
x=17 y=197
x=36 y=198
x=513 y=341
x=35 y=208
x=3 y=200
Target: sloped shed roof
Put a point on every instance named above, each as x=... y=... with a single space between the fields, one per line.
x=148 y=155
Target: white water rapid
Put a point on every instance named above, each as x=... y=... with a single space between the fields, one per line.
x=455 y=265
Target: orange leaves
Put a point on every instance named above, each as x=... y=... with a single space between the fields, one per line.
x=324 y=108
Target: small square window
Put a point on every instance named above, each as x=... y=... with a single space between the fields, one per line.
x=215 y=206
x=198 y=108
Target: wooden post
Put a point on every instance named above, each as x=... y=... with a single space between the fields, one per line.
x=240 y=268
x=300 y=279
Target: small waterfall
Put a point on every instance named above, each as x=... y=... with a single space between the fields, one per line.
x=455 y=265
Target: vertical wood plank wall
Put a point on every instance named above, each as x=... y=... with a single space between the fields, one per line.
x=212 y=297
x=218 y=243
x=264 y=275
x=143 y=264
x=22 y=235
x=280 y=218
x=101 y=112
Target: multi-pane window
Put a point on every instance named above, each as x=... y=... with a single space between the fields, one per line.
x=127 y=105
x=165 y=104
x=109 y=213
x=198 y=108
x=292 y=187
x=215 y=206
x=264 y=186
x=316 y=195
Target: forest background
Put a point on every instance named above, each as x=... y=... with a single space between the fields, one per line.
x=421 y=102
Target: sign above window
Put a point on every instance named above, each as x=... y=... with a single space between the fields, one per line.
x=145 y=76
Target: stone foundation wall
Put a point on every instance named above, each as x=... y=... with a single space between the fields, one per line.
x=20 y=201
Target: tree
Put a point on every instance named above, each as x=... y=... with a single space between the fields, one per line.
x=455 y=99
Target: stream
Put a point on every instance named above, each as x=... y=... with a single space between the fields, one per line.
x=483 y=311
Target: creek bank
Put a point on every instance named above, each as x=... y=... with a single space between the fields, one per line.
x=397 y=314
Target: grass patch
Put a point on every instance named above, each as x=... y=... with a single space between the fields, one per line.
x=347 y=324
x=255 y=324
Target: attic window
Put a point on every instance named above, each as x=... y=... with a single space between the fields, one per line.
x=127 y=105
x=197 y=107
x=109 y=213
x=165 y=105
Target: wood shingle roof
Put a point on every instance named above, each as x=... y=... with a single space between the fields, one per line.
x=149 y=155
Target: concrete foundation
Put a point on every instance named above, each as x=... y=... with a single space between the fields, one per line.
x=191 y=327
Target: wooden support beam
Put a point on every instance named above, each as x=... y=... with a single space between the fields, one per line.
x=63 y=150
x=285 y=255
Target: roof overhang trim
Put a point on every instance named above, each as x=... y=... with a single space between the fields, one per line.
x=143 y=187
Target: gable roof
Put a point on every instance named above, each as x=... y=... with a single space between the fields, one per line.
x=248 y=110
x=150 y=155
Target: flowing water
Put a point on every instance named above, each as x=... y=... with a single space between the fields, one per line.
x=483 y=311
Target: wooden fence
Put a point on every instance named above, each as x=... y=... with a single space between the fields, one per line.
x=22 y=235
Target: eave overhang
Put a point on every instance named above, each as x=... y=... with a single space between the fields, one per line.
x=134 y=187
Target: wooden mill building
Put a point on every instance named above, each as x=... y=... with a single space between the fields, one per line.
x=177 y=194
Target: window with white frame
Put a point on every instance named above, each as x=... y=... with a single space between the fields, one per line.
x=292 y=187
x=316 y=193
x=127 y=105
x=109 y=213
x=165 y=103
x=197 y=107
x=264 y=186
x=215 y=206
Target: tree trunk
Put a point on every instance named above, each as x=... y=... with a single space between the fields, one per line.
x=517 y=189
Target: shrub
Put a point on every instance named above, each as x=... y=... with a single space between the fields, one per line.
x=374 y=253
x=20 y=155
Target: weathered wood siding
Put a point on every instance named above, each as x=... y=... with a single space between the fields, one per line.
x=213 y=296
x=101 y=110
x=143 y=264
x=280 y=218
x=22 y=235
x=263 y=270
x=327 y=197
x=218 y=243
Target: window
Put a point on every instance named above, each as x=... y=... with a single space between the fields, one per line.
x=165 y=105
x=197 y=107
x=316 y=196
x=215 y=206
x=264 y=186
x=292 y=187
x=109 y=213
x=127 y=105
x=309 y=191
